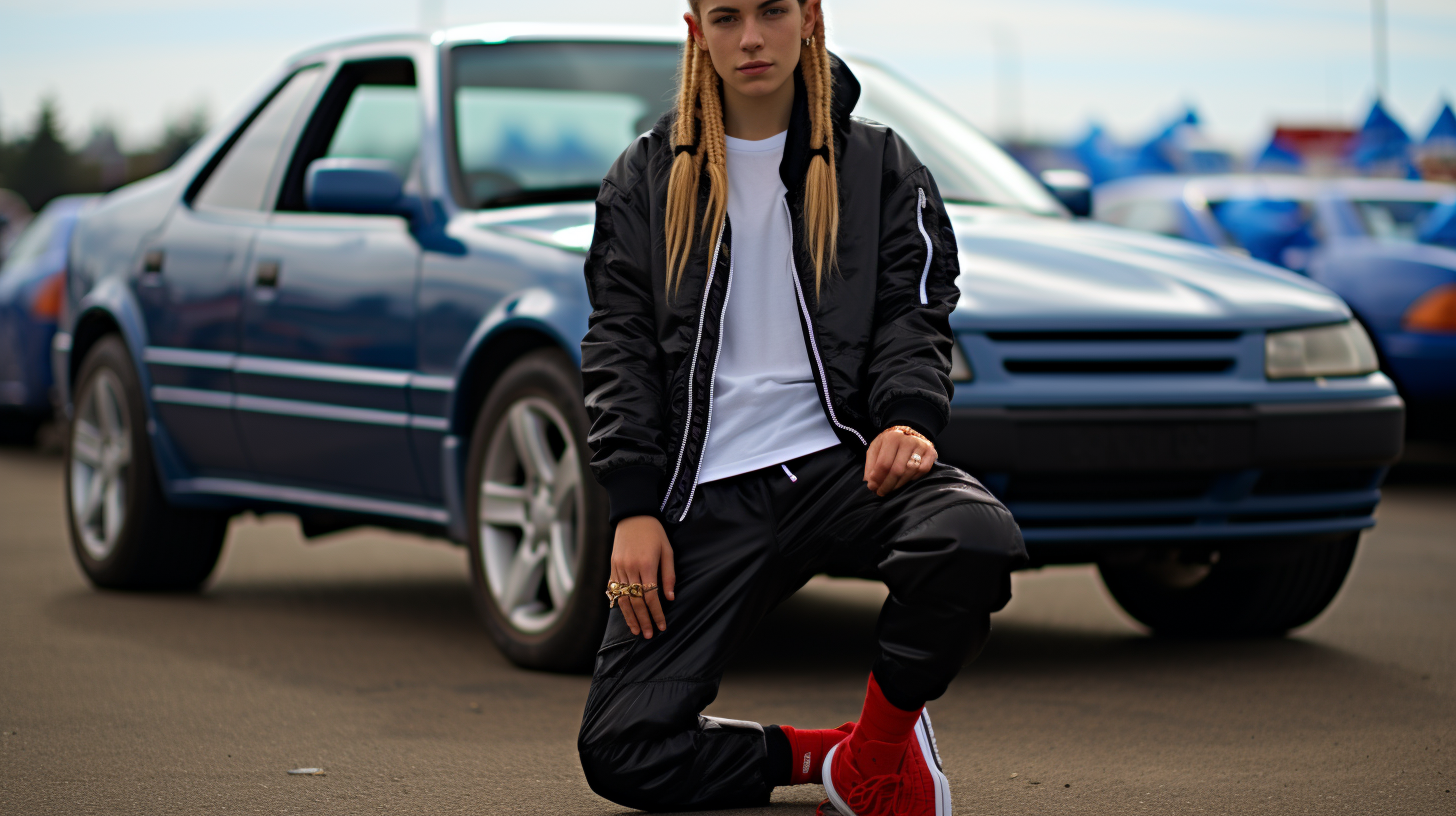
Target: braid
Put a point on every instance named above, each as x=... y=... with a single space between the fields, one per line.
x=821 y=186
x=687 y=167
x=715 y=146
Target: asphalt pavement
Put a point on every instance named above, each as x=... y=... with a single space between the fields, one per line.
x=360 y=654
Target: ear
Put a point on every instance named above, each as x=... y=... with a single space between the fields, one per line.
x=812 y=10
x=695 y=32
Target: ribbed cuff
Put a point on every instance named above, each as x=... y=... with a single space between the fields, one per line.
x=632 y=491
x=918 y=414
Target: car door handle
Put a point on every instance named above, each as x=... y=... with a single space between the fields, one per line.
x=268 y=272
x=152 y=262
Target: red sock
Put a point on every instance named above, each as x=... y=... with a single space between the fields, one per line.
x=881 y=721
x=807 y=749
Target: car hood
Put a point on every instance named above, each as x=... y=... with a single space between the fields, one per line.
x=1022 y=272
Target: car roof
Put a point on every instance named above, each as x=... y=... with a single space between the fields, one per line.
x=512 y=32
x=1271 y=185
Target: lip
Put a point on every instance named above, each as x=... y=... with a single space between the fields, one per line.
x=754 y=68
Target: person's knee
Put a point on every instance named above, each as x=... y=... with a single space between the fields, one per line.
x=962 y=556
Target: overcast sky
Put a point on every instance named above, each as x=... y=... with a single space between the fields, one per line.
x=1040 y=67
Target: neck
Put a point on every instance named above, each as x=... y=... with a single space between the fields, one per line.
x=755 y=118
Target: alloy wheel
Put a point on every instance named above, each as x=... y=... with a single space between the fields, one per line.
x=531 y=512
x=100 y=460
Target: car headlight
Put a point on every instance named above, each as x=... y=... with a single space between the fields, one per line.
x=1343 y=350
x=960 y=367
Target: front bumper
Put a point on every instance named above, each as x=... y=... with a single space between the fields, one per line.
x=1084 y=480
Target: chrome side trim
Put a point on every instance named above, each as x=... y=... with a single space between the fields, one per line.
x=294 y=369
x=429 y=423
x=809 y=327
x=200 y=397
x=431 y=382
x=319 y=410
x=311 y=498
x=712 y=375
x=693 y=369
x=929 y=247
x=327 y=372
x=190 y=358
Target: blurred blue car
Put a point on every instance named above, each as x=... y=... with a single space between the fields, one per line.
x=1387 y=246
x=360 y=300
x=32 y=285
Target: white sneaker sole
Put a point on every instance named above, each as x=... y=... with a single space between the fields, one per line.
x=925 y=735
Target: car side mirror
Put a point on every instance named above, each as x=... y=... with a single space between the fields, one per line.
x=1071 y=187
x=363 y=186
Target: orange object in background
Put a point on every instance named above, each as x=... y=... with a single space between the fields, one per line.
x=47 y=303
x=1435 y=311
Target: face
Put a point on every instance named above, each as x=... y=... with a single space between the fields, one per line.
x=754 y=43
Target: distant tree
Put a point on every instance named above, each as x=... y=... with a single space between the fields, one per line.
x=178 y=136
x=42 y=167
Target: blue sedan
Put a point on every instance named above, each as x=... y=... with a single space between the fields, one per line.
x=361 y=300
x=32 y=282
x=1375 y=242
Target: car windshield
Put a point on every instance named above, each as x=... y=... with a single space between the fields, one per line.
x=1394 y=221
x=543 y=121
x=968 y=167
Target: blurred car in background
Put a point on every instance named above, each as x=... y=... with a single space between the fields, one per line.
x=32 y=286
x=1387 y=246
x=15 y=215
x=361 y=300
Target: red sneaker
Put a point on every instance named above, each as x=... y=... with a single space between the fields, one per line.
x=887 y=779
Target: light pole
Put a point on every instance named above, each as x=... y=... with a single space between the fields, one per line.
x=1378 y=37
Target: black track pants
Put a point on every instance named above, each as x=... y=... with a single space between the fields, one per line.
x=943 y=545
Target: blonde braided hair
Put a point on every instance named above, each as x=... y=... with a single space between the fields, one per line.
x=699 y=131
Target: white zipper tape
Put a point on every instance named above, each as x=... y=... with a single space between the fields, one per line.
x=712 y=375
x=929 y=248
x=693 y=368
x=809 y=327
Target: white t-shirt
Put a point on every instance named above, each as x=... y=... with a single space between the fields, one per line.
x=766 y=407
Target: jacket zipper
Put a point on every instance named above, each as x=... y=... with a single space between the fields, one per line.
x=809 y=327
x=929 y=248
x=693 y=369
x=712 y=377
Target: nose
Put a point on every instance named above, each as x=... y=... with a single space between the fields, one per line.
x=752 y=37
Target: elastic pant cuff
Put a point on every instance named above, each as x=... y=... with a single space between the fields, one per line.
x=778 y=763
x=891 y=681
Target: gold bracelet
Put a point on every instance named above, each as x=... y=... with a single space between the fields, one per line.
x=909 y=431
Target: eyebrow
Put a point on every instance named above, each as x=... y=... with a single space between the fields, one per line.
x=731 y=9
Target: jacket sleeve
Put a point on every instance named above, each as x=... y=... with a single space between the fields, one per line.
x=910 y=355
x=620 y=357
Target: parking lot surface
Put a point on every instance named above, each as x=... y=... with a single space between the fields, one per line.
x=360 y=654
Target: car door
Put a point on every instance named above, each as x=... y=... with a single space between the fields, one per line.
x=328 y=345
x=191 y=282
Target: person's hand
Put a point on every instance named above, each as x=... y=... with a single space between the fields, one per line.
x=887 y=464
x=640 y=553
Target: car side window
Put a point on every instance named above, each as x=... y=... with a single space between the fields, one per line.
x=240 y=180
x=370 y=111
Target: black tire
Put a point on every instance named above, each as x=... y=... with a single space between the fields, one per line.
x=130 y=538
x=535 y=621
x=1232 y=598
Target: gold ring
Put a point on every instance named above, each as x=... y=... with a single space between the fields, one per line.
x=616 y=590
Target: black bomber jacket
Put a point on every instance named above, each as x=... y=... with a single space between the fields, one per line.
x=878 y=334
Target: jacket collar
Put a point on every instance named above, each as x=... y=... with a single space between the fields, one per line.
x=795 y=165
